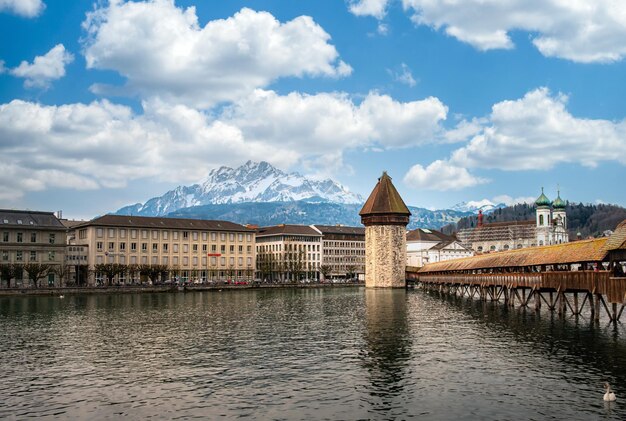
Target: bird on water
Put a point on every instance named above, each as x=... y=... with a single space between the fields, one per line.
x=609 y=395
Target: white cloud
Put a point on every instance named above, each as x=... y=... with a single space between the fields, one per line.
x=86 y=146
x=441 y=175
x=26 y=8
x=331 y=122
x=581 y=31
x=105 y=145
x=403 y=76
x=163 y=51
x=536 y=132
x=44 y=69
x=375 y=8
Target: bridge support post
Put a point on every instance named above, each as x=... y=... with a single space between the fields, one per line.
x=591 y=305
x=537 y=301
x=576 y=311
x=597 y=306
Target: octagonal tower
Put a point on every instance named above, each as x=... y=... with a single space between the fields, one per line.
x=385 y=217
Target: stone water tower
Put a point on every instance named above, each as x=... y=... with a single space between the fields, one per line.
x=385 y=217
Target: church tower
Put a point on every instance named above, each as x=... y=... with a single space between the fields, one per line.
x=543 y=219
x=560 y=220
x=385 y=217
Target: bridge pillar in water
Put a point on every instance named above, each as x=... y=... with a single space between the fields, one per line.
x=385 y=217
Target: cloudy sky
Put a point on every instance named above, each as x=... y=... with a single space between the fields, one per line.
x=106 y=103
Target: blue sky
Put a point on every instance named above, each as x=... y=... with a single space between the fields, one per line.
x=103 y=103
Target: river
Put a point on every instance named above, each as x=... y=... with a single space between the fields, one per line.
x=309 y=354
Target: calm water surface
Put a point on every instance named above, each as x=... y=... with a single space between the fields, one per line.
x=302 y=354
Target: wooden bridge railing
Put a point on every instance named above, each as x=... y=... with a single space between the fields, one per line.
x=577 y=281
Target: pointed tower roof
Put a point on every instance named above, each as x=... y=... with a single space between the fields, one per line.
x=558 y=202
x=384 y=205
x=542 y=201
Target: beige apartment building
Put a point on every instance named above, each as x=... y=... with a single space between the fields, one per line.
x=288 y=253
x=189 y=250
x=30 y=238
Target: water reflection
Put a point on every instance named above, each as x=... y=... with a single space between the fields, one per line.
x=387 y=350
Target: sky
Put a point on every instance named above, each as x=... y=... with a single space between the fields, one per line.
x=108 y=103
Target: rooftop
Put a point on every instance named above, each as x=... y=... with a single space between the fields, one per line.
x=384 y=199
x=422 y=234
x=162 y=223
x=287 y=229
x=575 y=252
x=29 y=219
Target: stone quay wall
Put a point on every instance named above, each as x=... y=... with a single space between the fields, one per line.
x=385 y=256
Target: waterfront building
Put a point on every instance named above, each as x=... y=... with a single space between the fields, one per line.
x=426 y=246
x=343 y=252
x=32 y=242
x=288 y=252
x=189 y=250
x=385 y=217
x=549 y=227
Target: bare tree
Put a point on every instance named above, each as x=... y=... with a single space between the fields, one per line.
x=62 y=271
x=326 y=270
x=36 y=271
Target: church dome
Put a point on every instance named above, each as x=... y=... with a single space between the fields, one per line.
x=558 y=202
x=542 y=201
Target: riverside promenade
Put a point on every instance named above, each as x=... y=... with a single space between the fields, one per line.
x=134 y=289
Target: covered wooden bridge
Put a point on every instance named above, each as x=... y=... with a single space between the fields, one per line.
x=566 y=277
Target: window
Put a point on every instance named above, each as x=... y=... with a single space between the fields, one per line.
x=19 y=256
x=133 y=233
x=195 y=261
x=231 y=261
x=175 y=260
x=240 y=261
x=155 y=260
x=122 y=246
x=240 y=238
x=213 y=236
x=5 y=255
x=122 y=233
x=213 y=248
x=175 y=248
x=99 y=232
x=51 y=256
x=111 y=246
x=144 y=247
x=249 y=261
x=99 y=245
x=223 y=236
x=240 y=249
x=185 y=235
x=155 y=247
x=248 y=237
x=144 y=234
x=33 y=256
x=165 y=260
x=222 y=261
x=133 y=246
x=232 y=249
x=175 y=235
x=185 y=248
x=204 y=236
x=155 y=234
x=111 y=232
x=52 y=238
x=213 y=261
x=249 y=249
x=223 y=248
x=231 y=237
x=194 y=248
x=194 y=236
x=33 y=237
x=165 y=248
x=166 y=235
x=204 y=247
x=19 y=237
x=5 y=237
x=540 y=219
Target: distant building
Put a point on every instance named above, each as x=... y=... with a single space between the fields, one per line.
x=32 y=237
x=427 y=246
x=548 y=227
x=187 y=249
x=343 y=251
x=288 y=252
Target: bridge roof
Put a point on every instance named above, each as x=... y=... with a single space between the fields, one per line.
x=575 y=252
x=617 y=241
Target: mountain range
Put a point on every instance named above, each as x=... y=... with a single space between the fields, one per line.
x=260 y=194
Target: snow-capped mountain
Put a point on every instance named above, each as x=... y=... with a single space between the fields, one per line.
x=252 y=182
x=474 y=206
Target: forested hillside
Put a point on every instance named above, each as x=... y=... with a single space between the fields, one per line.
x=589 y=220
